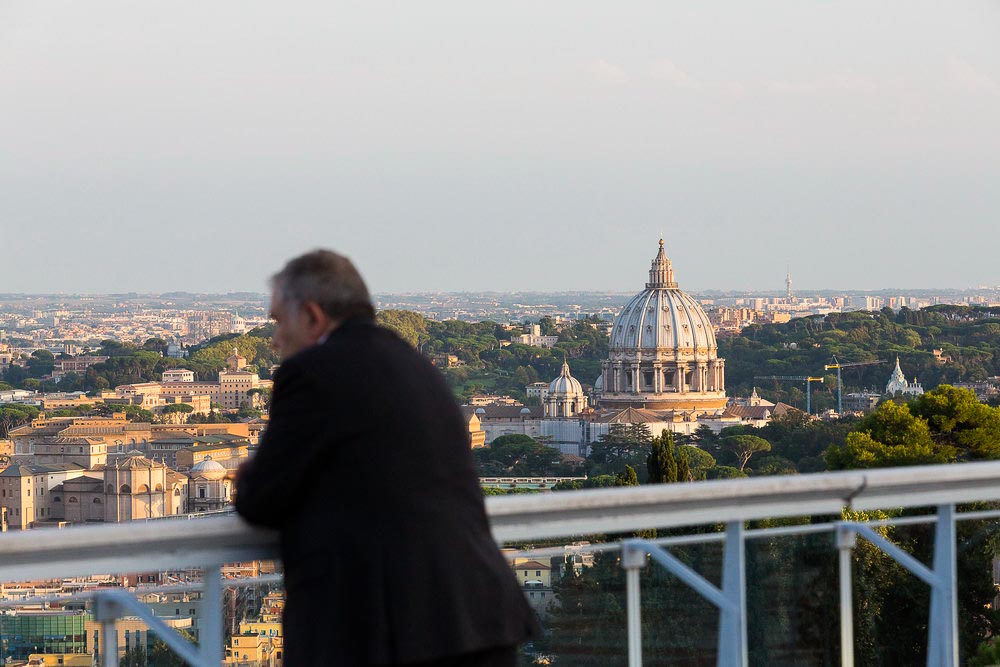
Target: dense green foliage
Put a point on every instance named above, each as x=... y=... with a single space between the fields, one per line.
x=943 y=426
x=969 y=336
x=129 y=364
x=522 y=456
x=489 y=367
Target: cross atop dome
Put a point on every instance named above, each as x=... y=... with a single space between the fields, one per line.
x=661 y=272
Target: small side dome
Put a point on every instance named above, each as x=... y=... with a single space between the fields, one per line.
x=525 y=411
x=599 y=383
x=480 y=411
x=208 y=469
x=565 y=384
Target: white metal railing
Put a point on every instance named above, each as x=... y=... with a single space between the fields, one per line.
x=209 y=543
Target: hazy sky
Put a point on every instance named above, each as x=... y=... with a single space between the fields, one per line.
x=156 y=146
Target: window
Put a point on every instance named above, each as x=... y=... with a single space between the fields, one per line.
x=538 y=573
x=73 y=499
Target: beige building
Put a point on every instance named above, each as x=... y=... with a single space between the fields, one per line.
x=116 y=433
x=210 y=486
x=177 y=375
x=127 y=488
x=22 y=497
x=535 y=578
x=477 y=436
x=87 y=452
x=260 y=643
x=26 y=493
x=227 y=450
x=74 y=365
x=236 y=388
x=6 y=356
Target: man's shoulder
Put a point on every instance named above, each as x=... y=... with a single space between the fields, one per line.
x=347 y=349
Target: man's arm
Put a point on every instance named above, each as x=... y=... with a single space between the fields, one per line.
x=298 y=438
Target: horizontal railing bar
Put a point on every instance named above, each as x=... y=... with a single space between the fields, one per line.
x=753 y=533
x=165 y=544
x=977 y=516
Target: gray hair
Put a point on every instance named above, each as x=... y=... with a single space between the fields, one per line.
x=327 y=279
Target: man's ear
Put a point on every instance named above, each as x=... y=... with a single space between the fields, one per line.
x=318 y=319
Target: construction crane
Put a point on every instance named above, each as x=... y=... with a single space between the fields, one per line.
x=795 y=378
x=840 y=385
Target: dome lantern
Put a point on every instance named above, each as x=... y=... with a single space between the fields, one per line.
x=661 y=273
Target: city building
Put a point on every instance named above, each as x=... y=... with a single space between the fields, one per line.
x=64 y=365
x=477 y=436
x=210 y=487
x=537 y=390
x=898 y=385
x=177 y=375
x=861 y=401
x=533 y=336
x=25 y=632
x=229 y=451
x=127 y=487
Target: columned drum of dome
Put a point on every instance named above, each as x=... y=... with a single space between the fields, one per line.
x=663 y=354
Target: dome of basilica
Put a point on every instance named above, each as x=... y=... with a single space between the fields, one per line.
x=661 y=319
x=663 y=352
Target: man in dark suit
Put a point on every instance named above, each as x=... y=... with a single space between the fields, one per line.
x=365 y=470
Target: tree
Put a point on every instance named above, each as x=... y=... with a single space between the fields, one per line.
x=410 y=326
x=624 y=444
x=627 y=477
x=661 y=464
x=12 y=416
x=725 y=472
x=699 y=461
x=520 y=455
x=956 y=418
x=745 y=446
x=889 y=436
x=41 y=363
x=683 y=467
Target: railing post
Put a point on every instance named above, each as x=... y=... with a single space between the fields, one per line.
x=633 y=560
x=107 y=611
x=942 y=639
x=733 y=618
x=847 y=539
x=210 y=628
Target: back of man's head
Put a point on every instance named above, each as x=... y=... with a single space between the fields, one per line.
x=327 y=279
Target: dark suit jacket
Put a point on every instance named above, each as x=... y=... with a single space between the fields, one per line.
x=365 y=469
